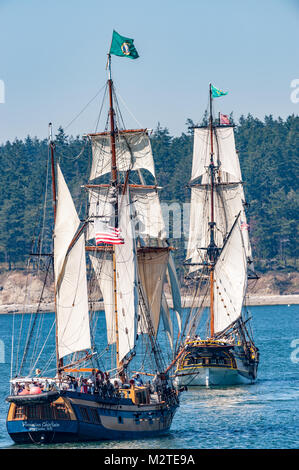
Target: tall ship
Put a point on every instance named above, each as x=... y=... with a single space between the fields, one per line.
x=217 y=346
x=120 y=389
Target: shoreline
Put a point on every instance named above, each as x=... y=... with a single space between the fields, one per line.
x=252 y=300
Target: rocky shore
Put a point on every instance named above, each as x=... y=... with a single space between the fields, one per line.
x=21 y=292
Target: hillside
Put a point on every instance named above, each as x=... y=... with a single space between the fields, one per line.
x=21 y=291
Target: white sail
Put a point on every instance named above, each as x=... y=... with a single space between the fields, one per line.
x=73 y=329
x=152 y=266
x=103 y=269
x=230 y=281
x=225 y=154
x=228 y=203
x=133 y=152
x=147 y=213
x=126 y=280
x=175 y=290
x=100 y=205
x=167 y=323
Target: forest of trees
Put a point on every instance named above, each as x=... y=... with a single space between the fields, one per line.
x=269 y=163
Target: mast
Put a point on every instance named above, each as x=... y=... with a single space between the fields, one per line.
x=114 y=185
x=59 y=362
x=212 y=246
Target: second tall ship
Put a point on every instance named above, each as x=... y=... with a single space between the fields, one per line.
x=220 y=263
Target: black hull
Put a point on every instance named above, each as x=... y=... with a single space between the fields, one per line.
x=82 y=417
x=42 y=398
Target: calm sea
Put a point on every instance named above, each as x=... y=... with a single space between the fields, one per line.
x=262 y=416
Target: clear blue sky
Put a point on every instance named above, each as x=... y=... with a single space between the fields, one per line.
x=53 y=57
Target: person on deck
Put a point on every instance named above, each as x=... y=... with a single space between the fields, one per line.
x=138 y=380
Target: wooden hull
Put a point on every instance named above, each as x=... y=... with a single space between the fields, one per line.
x=215 y=365
x=81 y=417
x=214 y=377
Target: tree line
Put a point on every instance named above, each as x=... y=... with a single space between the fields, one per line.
x=268 y=152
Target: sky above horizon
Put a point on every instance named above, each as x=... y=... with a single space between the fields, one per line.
x=53 y=60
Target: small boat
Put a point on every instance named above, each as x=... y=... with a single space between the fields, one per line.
x=220 y=263
x=82 y=401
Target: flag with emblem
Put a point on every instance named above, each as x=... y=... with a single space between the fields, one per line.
x=122 y=46
x=216 y=92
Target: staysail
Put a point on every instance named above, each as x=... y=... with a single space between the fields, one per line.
x=73 y=329
x=175 y=290
x=230 y=281
x=126 y=280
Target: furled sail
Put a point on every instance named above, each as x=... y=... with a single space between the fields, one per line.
x=73 y=329
x=230 y=281
x=126 y=280
x=147 y=213
x=225 y=154
x=133 y=152
x=152 y=264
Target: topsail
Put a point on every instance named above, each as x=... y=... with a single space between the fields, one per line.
x=229 y=199
x=133 y=152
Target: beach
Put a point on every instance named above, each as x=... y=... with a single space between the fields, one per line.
x=20 y=292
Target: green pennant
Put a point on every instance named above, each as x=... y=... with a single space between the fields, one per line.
x=216 y=93
x=123 y=47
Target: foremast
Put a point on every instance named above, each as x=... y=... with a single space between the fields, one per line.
x=59 y=361
x=114 y=184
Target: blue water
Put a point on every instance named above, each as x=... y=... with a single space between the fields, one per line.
x=262 y=416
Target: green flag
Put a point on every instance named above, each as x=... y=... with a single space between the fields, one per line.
x=216 y=93
x=123 y=47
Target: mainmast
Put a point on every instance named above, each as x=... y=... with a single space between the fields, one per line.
x=212 y=249
x=115 y=189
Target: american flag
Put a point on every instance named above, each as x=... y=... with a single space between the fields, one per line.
x=224 y=119
x=106 y=234
x=244 y=226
